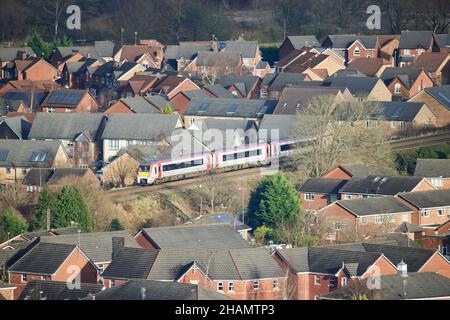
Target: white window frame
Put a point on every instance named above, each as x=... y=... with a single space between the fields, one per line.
x=309 y=196
x=344 y=281
x=231 y=286
x=405 y=217
x=317 y=280
x=406 y=52
x=444 y=250
x=23 y=278
x=114 y=145
x=332 y=282
x=357 y=52
x=440 y=212
x=347 y=197
x=276 y=284
x=426 y=213
x=437 y=182
x=220 y=286
x=379 y=219
x=255 y=285
x=364 y=221
x=398 y=88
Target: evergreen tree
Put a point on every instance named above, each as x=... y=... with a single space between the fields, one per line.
x=72 y=210
x=274 y=202
x=167 y=110
x=12 y=222
x=116 y=225
x=46 y=202
x=41 y=48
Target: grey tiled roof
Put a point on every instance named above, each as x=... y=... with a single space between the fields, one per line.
x=65 y=126
x=441 y=94
x=319 y=185
x=299 y=42
x=97 y=246
x=443 y=40
x=428 y=199
x=53 y=290
x=433 y=168
x=140 y=105
x=247 y=49
x=374 y=206
x=235 y=108
x=399 y=111
x=407 y=75
x=381 y=185
x=214 y=236
x=44 y=258
x=415 y=39
x=155 y=127
x=20 y=152
x=219 y=91
x=243 y=83
x=327 y=260
x=418 y=286
x=158 y=290
x=356 y=85
x=356 y=170
x=20 y=125
x=10 y=54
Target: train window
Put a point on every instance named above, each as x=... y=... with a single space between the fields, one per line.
x=183 y=165
x=286 y=147
x=144 y=168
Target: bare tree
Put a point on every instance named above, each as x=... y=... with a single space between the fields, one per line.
x=121 y=172
x=56 y=9
x=342 y=133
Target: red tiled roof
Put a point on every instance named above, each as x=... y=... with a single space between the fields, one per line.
x=430 y=61
x=368 y=66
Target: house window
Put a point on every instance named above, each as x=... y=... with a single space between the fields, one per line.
x=426 y=213
x=405 y=217
x=437 y=182
x=397 y=88
x=332 y=282
x=402 y=125
x=276 y=285
x=309 y=197
x=444 y=250
x=357 y=52
x=256 y=285
x=316 y=297
x=24 y=171
x=230 y=286
x=112 y=283
x=407 y=52
x=51 y=110
x=23 y=278
x=344 y=281
x=348 y=197
x=114 y=144
x=219 y=286
x=363 y=220
x=391 y=218
x=263 y=94
x=379 y=219
x=338 y=226
x=421 y=51
x=317 y=280
x=440 y=212
x=8 y=170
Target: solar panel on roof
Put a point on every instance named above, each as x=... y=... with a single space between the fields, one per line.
x=4 y=155
x=204 y=107
x=263 y=109
x=444 y=97
x=38 y=156
x=66 y=97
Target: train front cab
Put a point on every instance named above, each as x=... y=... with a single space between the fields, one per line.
x=147 y=174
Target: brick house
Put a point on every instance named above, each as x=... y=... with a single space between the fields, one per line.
x=143 y=105
x=39 y=290
x=249 y=50
x=405 y=83
x=79 y=133
x=347 y=172
x=242 y=274
x=316 y=271
x=373 y=186
x=430 y=207
x=438 y=239
x=363 y=215
x=212 y=236
x=413 y=44
x=317 y=193
x=35 y=70
x=273 y=84
x=437 y=65
x=67 y=101
x=182 y=99
x=437 y=99
x=15 y=106
x=371 y=67
x=436 y=171
x=417 y=259
x=399 y=117
x=147 y=55
x=241 y=86
x=212 y=63
x=361 y=86
x=294 y=99
x=292 y=43
x=7 y=58
x=51 y=262
x=17 y=157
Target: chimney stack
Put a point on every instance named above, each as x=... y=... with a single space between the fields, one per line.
x=117 y=244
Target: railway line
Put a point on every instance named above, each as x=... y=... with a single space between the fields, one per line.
x=125 y=194
x=422 y=141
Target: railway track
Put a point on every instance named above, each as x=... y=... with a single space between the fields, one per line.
x=125 y=194
x=424 y=141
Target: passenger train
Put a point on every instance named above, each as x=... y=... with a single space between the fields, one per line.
x=255 y=155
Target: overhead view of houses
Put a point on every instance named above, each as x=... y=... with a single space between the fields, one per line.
x=133 y=119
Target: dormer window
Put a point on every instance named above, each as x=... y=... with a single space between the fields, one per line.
x=357 y=52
